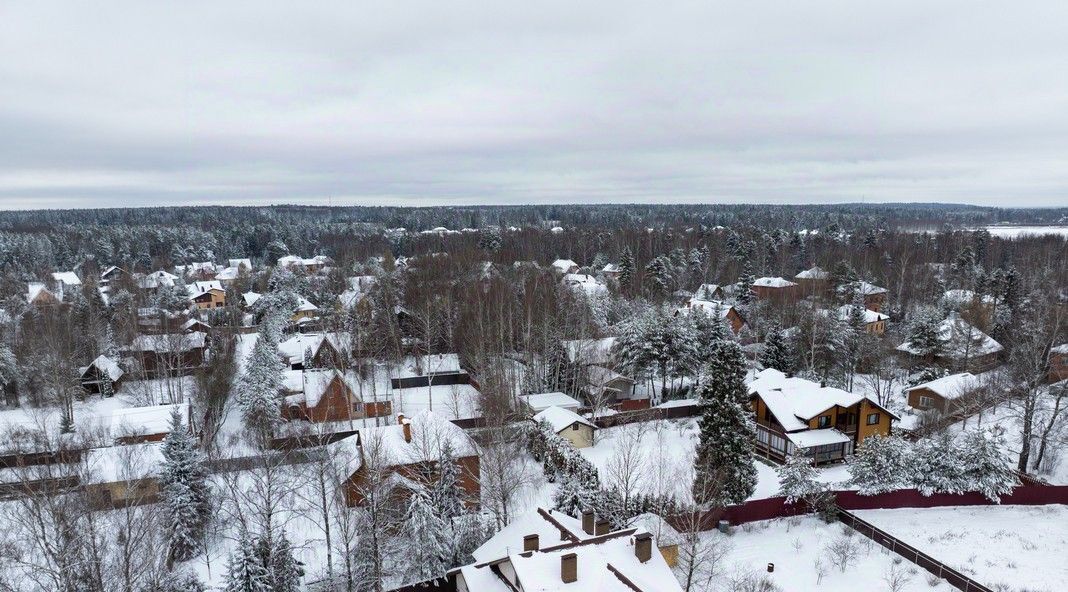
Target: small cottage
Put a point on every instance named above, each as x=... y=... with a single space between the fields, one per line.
x=569 y=425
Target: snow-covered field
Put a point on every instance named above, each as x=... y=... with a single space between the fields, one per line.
x=799 y=549
x=1011 y=232
x=1021 y=547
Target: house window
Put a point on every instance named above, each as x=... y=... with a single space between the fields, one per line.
x=825 y=421
x=926 y=402
x=575 y=426
x=357 y=407
x=873 y=418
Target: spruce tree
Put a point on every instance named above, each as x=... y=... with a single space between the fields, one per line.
x=797 y=478
x=245 y=569
x=430 y=546
x=446 y=494
x=724 y=469
x=184 y=492
x=881 y=464
x=626 y=271
x=285 y=571
x=259 y=391
x=776 y=352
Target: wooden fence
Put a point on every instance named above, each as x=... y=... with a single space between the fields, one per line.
x=951 y=576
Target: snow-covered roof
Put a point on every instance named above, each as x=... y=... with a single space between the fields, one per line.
x=870 y=316
x=964 y=297
x=815 y=273
x=598 y=376
x=606 y=563
x=250 y=298
x=542 y=401
x=952 y=386
x=584 y=283
x=1060 y=349
x=357 y=290
x=200 y=288
x=106 y=365
x=707 y=292
x=552 y=527
x=959 y=339
x=610 y=268
x=564 y=265
x=867 y=289
x=143 y=421
x=590 y=351
x=115 y=464
x=794 y=400
x=810 y=438
x=315 y=383
x=34 y=289
x=561 y=419
x=169 y=343
x=430 y=434
x=712 y=307
x=303 y=305
x=228 y=273
x=243 y=262
x=773 y=282
x=678 y=403
x=67 y=278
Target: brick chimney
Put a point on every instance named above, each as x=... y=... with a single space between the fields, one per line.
x=569 y=568
x=643 y=547
x=587 y=522
x=530 y=542
x=400 y=418
x=603 y=526
x=406 y=425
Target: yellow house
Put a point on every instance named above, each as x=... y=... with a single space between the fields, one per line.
x=569 y=425
x=874 y=322
x=207 y=294
x=797 y=416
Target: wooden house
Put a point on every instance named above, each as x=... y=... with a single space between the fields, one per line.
x=568 y=425
x=40 y=295
x=944 y=394
x=122 y=476
x=1058 y=363
x=407 y=454
x=874 y=322
x=709 y=293
x=168 y=354
x=207 y=294
x=102 y=376
x=874 y=296
x=813 y=282
x=797 y=416
x=963 y=347
x=133 y=425
x=329 y=395
x=564 y=266
x=776 y=289
x=724 y=311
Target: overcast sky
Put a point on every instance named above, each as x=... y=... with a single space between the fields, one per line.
x=414 y=103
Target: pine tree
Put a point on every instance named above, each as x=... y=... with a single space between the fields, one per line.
x=259 y=391
x=776 y=352
x=724 y=469
x=184 y=492
x=245 y=570
x=626 y=271
x=430 y=546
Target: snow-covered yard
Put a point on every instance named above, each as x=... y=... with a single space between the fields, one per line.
x=1020 y=547
x=799 y=548
x=664 y=458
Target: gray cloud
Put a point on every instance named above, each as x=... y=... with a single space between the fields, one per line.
x=121 y=103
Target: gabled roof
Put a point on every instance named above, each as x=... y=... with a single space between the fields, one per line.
x=561 y=419
x=542 y=401
x=865 y=288
x=552 y=527
x=795 y=401
x=707 y=292
x=68 y=278
x=952 y=386
x=105 y=365
x=815 y=273
x=197 y=289
x=430 y=434
x=959 y=339
x=870 y=316
x=773 y=282
x=35 y=289
x=169 y=343
x=563 y=265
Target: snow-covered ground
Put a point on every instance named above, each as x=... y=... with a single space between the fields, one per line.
x=798 y=547
x=1021 y=547
x=664 y=458
x=1011 y=232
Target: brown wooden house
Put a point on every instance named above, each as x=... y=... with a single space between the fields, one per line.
x=406 y=454
x=330 y=396
x=797 y=416
x=1058 y=363
x=775 y=288
x=944 y=394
